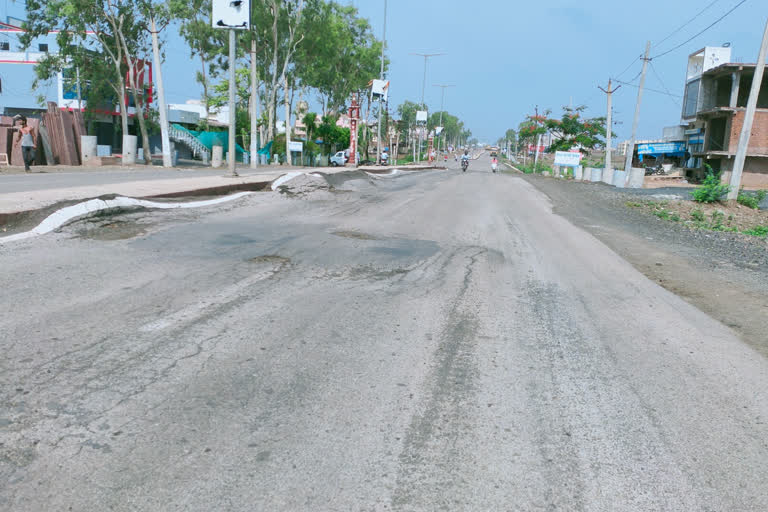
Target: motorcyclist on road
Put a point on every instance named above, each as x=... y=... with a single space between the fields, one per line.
x=465 y=160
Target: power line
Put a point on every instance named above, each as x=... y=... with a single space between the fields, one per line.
x=718 y=20
x=685 y=24
x=667 y=93
x=627 y=68
x=658 y=77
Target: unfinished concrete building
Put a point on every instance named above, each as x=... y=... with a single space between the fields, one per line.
x=715 y=103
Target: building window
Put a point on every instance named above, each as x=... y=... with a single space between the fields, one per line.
x=691 y=102
x=43 y=47
x=5 y=46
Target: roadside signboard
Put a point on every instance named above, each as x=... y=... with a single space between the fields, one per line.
x=296 y=146
x=567 y=158
x=235 y=14
x=421 y=116
x=660 y=148
x=380 y=88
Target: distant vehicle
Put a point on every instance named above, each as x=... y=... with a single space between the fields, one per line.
x=338 y=159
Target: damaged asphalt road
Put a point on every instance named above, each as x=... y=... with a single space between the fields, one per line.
x=431 y=341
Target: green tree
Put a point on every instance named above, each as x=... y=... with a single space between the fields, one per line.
x=339 y=54
x=98 y=38
x=572 y=131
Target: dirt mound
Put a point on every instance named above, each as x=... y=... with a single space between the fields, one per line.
x=304 y=185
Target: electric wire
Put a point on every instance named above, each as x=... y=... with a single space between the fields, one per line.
x=718 y=20
x=685 y=24
x=665 y=93
x=658 y=77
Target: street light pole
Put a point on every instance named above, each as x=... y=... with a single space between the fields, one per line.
x=381 y=98
x=442 y=107
x=424 y=83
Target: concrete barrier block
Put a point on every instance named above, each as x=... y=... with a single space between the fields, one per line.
x=636 y=178
x=217 y=156
x=619 y=178
x=129 y=149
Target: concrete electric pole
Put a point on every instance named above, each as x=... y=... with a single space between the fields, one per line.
x=231 y=154
x=254 y=149
x=749 y=117
x=424 y=86
x=631 y=147
x=381 y=76
x=442 y=106
x=609 y=125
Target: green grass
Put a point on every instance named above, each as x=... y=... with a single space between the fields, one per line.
x=761 y=231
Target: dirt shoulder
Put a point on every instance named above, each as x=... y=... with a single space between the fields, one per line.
x=725 y=274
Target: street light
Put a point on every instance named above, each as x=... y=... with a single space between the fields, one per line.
x=424 y=82
x=381 y=99
x=442 y=103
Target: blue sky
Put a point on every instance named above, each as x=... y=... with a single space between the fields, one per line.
x=507 y=57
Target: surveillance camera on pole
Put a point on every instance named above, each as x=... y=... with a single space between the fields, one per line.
x=232 y=15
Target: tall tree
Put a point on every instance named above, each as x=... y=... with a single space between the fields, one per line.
x=83 y=29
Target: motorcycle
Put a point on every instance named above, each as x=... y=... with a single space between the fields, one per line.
x=493 y=166
x=464 y=165
x=652 y=170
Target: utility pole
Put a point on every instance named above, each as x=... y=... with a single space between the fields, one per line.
x=424 y=86
x=442 y=106
x=254 y=106
x=538 y=141
x=381 y=76
x=631 y=147
x=749 y=117
x=232 y=109
x=609 y=125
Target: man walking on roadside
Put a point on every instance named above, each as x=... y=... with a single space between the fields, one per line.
x=27 y=141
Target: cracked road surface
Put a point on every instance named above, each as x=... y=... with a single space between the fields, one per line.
x=433 y=341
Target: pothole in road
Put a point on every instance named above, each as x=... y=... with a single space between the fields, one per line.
x=270 y=259
x=111 y=230
x=356 y=235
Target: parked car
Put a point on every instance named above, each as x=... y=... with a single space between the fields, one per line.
x=338 y=159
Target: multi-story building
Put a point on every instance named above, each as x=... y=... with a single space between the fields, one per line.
x=714 y=107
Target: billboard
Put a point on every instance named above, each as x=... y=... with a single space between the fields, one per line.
x=661 y=148
x=231 y=14
x=421 y=116
x=568 y=158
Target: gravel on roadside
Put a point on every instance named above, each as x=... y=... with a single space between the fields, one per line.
x=724 y=274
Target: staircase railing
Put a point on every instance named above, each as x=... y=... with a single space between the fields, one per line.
x=186 y=138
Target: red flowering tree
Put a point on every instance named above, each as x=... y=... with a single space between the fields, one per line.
x=572 y=131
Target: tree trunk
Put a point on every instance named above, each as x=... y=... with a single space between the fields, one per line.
x=275 y=64
x=166 y=142
x=204 y=83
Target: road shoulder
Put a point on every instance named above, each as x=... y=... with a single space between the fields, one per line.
x=723 y=274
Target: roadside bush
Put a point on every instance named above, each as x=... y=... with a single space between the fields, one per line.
x=761 y=231
x=749 y=200
x=717 y=220
x=711 y=190
x=697 y=215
